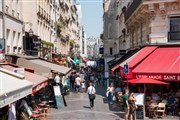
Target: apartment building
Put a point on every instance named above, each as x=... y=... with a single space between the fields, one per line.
x=153 y=22
x=69 y=27
x=37 y=17
x=110 y=32
x=123 y=43
x=11 y=26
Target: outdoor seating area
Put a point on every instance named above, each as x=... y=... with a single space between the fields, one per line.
x=34 y=111
x=161 y=108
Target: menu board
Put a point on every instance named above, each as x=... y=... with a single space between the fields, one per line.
x=58 y=97
x=57 y=90
x=139 y=98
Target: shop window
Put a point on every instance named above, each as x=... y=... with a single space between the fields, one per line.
x=174 y=34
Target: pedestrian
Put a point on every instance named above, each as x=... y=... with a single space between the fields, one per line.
x=83 y=86
x=125 y=103
x=91 y=91
x=110 y=93
x=57 y=80
x=132 y=106
x=78 y=83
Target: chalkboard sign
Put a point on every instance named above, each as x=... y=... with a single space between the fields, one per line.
x=139 y=98
x=140 y=114
x=58 y=97
x=59 y=102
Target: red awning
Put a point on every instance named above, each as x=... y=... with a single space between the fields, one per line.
x=134 y=60
x=163 y=63
x=139 y=56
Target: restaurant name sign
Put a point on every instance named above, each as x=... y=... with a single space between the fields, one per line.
x=40 y=86
x=160 y=77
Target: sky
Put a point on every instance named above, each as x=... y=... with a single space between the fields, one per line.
x=92 y=16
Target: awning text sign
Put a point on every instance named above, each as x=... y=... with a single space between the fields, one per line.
x=40 y=86
x=160 y=77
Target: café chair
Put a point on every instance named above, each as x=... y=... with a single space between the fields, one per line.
x=160 y=111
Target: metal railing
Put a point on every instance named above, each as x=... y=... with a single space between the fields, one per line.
x=134 y=5
x=174 y=36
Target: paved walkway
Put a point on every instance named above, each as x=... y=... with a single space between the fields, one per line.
x=78 y=108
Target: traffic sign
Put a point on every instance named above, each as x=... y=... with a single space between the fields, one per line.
x=126 y=68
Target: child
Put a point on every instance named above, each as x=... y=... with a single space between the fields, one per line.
x=83 y=86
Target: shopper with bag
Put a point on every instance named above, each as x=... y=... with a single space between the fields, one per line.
x=110 y=93
x=92 y=94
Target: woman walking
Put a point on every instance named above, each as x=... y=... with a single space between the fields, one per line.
x=91 y=92
x=132 y=106
x=110 y=93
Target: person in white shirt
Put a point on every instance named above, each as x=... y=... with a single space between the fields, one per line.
x=91 y=90
x=57 y=79
x=83 y=86
x=110 y=93
x=78 y=83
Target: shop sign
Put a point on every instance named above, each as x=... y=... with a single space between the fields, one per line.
x=161 y=77
x=126 y=68
x=7 y=99
x=40 y=86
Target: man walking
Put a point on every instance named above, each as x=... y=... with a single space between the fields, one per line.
x=91 y=92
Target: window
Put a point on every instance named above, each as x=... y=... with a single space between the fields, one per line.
x=14 y=49
x=110 y=51
x=8 y=49
x=174 y=33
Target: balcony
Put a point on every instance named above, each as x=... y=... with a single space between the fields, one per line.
x=174 y=36
x=134 y=5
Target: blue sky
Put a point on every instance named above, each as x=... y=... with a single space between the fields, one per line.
x=92 y=16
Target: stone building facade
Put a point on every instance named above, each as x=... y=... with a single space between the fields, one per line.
x=13 y=24
x=153 y=22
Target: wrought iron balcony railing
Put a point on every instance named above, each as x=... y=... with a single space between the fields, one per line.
x=174 y=36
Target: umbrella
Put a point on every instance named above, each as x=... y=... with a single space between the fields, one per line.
x=146 y=81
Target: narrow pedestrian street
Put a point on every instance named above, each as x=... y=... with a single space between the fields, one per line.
x=78 y=108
